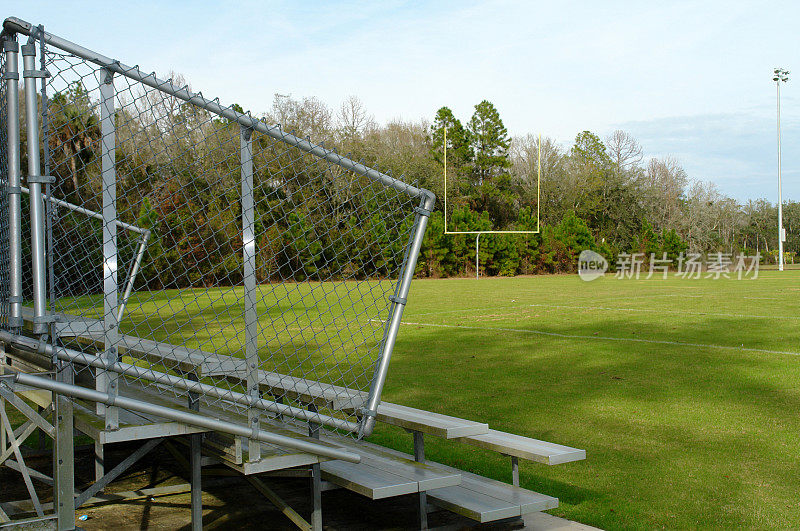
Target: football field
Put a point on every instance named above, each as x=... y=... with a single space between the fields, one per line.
x=684 y=393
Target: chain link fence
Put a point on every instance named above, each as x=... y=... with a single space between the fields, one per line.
x=195 y=248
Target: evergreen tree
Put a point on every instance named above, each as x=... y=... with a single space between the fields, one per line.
x=489 y=139
x=459 y=153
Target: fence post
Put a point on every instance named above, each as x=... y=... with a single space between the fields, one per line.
x=11 y=49
x=107 y=381
x=35 y=180
x=64 y=459
x=249 y=263
x=64 y=462
x=423 y=212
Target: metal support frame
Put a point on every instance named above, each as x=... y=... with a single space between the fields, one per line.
x=66 y=354
x=316 y=496
x=250 y=296
x=515 y=470
x=34 y=474
x=64 y=462
x=35 y=185
x=192 y=419
x=427 y=199
x=19 y=506
x=12 y=456
x=316 y=479
x=196 y=466
x=99 y=460
x=114 y=473
x=144 y=237
x=419 y=456
x=21 y=433
x=64 y=457
x=396 y=312
x=33 y=415
x=11 y=49
x=107 y=381
x=15 y=445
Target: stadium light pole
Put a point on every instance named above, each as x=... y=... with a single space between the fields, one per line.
x=780 y=75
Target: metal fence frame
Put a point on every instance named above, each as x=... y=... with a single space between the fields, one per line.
x=108 y=364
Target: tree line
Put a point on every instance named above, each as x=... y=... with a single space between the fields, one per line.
x=598 y=193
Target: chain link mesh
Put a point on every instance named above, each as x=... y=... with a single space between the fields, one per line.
x=329 y=246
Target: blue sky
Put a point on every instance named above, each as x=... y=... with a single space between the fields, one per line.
x=688 y=79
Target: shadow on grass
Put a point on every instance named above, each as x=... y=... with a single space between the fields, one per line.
x=655 y=419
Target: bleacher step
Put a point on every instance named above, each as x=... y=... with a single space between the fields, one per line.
x=382 y=474
x=526 y=448
x=486 y=500
x=428 y=422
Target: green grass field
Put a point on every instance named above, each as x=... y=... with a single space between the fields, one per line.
x=684 y=393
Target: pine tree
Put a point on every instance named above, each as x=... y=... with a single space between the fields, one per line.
x=489 y=139
x=459 y=153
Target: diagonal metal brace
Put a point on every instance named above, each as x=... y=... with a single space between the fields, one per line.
x=116 y=471
x=8 y=381
x=28 y=411
x=279 y=502
x=15 y=444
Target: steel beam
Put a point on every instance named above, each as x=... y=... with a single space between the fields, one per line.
x=32 y=345
x=422 y=501
x=11 y=49
x=64 y=456
x=192 y=419
x=29 y=412
x=115 y=472
x=35 y=185
x=15 y=444
x=250 y=295
x=515 y=470
x=316 y=496
x=396 y=314
x=196 y=466
x=107 y=381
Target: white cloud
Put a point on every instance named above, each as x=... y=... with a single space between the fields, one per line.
x=553 y=68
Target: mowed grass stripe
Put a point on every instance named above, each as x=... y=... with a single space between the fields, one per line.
x=616 y=309
x=601 y=338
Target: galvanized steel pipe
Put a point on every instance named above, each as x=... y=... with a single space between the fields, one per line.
x=192 y=419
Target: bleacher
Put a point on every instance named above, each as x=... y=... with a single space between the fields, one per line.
x=382 y=473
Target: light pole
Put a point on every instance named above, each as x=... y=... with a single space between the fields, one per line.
x=780 y=75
